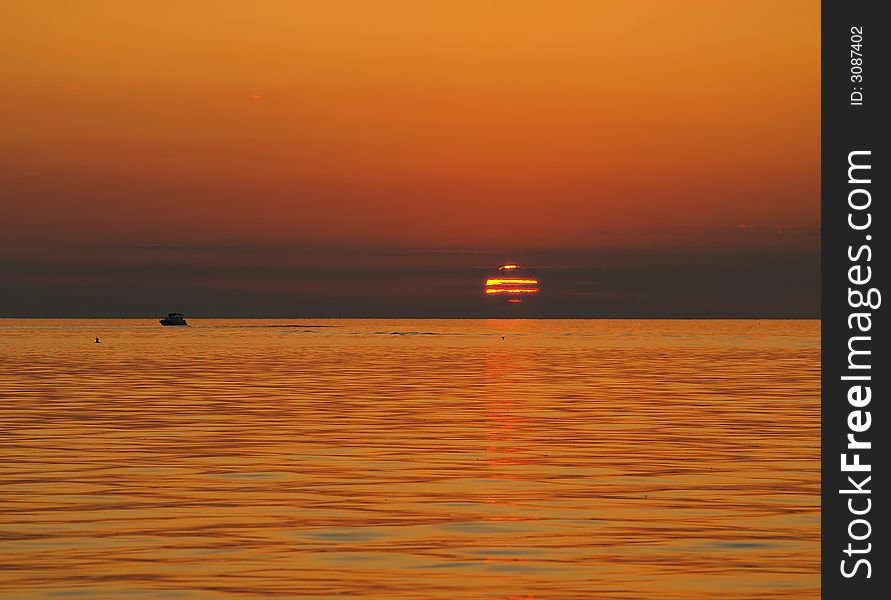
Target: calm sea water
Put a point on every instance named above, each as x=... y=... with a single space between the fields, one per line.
x=409 y=459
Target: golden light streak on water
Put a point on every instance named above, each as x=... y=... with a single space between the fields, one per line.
x=410 y=459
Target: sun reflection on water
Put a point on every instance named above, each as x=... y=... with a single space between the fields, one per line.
x=461 y=459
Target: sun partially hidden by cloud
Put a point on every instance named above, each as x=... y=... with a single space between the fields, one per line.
x=512 y=283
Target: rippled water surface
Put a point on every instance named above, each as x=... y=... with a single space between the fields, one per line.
x=409 y=459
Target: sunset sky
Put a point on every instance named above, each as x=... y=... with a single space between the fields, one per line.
x=646 y=158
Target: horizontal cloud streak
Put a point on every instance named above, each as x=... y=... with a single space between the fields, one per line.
x=258 y=281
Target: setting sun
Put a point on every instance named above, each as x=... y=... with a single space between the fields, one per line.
x=513 y=289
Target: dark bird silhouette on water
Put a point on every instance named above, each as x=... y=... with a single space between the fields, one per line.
x=97 y=341
x=502 y=337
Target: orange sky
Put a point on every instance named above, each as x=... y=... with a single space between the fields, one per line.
x=439 y=124
x=236 y=158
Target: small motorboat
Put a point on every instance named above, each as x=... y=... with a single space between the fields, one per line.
x=173 y=319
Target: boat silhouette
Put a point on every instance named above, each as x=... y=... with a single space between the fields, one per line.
x=173 y=319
